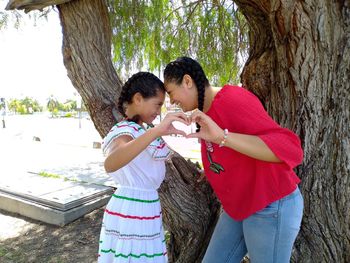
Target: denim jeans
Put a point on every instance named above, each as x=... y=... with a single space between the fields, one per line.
x=267 y=236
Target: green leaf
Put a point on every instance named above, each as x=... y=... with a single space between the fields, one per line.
x=149 y=34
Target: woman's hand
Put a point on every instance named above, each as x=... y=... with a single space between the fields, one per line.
x=209 y=131
x=166 y=127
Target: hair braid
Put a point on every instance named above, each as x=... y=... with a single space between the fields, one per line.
x=175 y=71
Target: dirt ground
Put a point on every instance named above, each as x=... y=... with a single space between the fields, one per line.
x=27 y=240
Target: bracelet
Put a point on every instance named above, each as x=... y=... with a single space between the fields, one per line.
x=222 y=143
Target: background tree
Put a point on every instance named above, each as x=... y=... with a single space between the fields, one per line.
x=14 y=104
x=52 y=105
x=2 y=104
x=26 y=105
x=298 y=65
x=3 y=111
x=31 y=105
x=69 y=105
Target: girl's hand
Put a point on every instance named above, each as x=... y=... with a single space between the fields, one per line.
x=209 y=131
x=166 y=127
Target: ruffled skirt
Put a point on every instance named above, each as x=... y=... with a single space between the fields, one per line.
x=132 y=228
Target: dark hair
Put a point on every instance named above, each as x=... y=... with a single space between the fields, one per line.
x=145 y=83
x=176 y=70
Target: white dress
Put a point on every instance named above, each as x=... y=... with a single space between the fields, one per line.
x=132 y=228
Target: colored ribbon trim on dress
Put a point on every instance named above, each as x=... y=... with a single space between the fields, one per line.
x=135 y=200
x=133 y=217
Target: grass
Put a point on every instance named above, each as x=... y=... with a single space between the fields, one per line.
x=3 y=251
x=56 y=176
x=13 y=255
x=48 y=175
x=56 y=260
x=167 y=236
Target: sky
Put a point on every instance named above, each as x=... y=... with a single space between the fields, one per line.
x=31 y=62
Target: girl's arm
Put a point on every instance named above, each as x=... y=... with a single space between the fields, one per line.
x=123 y=149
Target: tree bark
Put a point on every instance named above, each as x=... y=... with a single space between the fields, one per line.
x=299 y=66
x=30 y=5
x=190 y=209
x=87 y=56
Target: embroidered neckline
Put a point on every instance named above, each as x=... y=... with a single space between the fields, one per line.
x=158 y=148
x=135 y=123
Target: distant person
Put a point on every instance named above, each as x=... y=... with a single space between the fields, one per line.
x=132 y=223
x=248 y=159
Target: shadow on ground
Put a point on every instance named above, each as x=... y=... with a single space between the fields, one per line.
x=40 y=242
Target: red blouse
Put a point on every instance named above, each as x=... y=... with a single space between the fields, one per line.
x=248 y=185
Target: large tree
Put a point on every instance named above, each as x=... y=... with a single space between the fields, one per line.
x=298 y=65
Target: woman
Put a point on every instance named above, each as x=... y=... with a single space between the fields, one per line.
x=248 y=159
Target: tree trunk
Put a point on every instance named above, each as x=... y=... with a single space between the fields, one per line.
x=299 y=66
x=190 y=209
x=87 y=56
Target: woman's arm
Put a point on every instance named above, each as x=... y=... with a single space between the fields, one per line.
x=249 y=145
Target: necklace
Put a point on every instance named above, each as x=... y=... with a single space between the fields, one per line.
x=215 y=167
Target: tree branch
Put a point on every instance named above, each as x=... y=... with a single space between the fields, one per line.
x=30 y=5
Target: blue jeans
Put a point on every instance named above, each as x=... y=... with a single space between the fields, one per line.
x=267 y=236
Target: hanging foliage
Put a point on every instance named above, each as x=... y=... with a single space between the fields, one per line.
x=149 y=34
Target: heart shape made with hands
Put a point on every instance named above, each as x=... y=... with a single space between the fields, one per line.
x=188 y=129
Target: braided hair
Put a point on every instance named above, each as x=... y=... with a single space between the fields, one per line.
x=144 y=83
x=175 y=71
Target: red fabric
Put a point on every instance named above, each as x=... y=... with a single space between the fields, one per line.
x=248 y=185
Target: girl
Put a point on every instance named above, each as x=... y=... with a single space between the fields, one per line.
x=132 y=223
x=248 y=159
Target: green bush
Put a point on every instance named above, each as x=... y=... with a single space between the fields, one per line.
x=70 y=114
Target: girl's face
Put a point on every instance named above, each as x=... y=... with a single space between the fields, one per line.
x=150 y=108
x=184 y=95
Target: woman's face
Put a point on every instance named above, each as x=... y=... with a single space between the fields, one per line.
x=184 y=95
